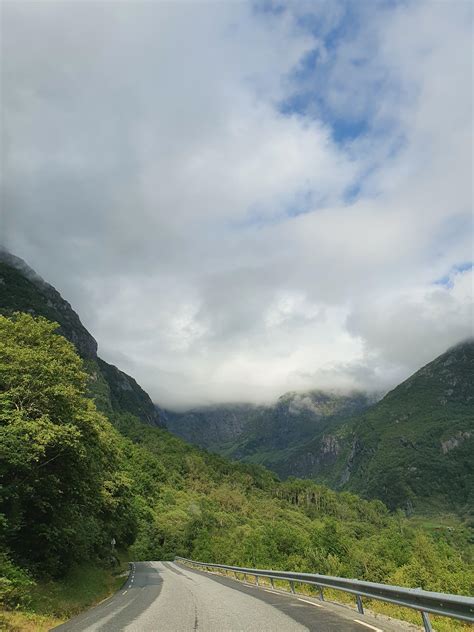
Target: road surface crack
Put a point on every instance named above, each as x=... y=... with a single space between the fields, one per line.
x=196 y=623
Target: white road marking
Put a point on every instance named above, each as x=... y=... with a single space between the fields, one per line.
x=367 y=625
x=125 y=592
x=312 y=603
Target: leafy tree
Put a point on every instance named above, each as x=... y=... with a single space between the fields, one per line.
x=64 y=494
x=71 y=481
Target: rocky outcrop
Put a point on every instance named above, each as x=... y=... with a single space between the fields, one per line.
x=349 y=465
x=454 y=442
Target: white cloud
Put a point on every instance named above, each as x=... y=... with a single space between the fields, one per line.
x=207 y=236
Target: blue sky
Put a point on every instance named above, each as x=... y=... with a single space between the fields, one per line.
x=447 y=280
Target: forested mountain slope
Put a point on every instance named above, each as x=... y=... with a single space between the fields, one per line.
x=412 y=449
x=415 y=446
x=21 y=289
x=73 y=478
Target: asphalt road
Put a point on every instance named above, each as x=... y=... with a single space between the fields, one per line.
x=166 y=597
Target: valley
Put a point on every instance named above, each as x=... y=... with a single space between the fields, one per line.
x=99 y=464
x=412 y=448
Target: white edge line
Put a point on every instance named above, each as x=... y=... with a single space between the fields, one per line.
x=318 y=605
x=367 y=625
x=125 y=592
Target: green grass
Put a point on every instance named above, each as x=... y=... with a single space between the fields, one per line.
x=53 y=602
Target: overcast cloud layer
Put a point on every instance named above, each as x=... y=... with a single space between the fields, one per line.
x=241 y=199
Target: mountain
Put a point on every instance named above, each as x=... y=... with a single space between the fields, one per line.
x=21 y=289
x=414 y=448
x=211 y=426
x=267 y=434
x=411 y=449
x=72 y=479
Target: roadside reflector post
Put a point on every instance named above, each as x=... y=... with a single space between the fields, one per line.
x=426 y=622
x=292 y=587
x=360 y=607
x=272 y=583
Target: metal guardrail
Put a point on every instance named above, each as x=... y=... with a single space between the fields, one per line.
x=453 y=606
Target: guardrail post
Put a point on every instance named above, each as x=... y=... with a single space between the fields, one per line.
x=272 y=583
x=321 y=594
x=256 y=580
x=292 y=586
x=245 y=577
x=235 y=575
x=427 y=622
x=360 y=607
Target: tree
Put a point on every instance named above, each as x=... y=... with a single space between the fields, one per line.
x=64 y=494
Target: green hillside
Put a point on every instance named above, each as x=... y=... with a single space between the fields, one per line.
x=72 y=478
x=415 y=447
x=71 y=482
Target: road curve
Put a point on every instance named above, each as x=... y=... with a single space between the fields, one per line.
x=165 y=597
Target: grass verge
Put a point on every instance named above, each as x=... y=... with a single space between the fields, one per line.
x=53 y=602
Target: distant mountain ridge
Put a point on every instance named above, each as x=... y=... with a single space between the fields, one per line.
x=412 y=449
x=266 y=434
x=210 y=426
x=22 y=289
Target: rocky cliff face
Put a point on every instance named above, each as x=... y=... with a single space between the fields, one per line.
x=268 y=434
x=21 y=289
x=211 y=426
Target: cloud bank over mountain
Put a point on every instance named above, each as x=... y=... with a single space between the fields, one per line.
x=245 y=198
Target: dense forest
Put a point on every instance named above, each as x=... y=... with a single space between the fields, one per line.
x=74 y=478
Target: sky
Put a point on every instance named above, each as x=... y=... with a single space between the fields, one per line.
x=245 y=198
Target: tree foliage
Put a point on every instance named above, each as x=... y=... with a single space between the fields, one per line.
x=63 y=491
x=72 y=479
